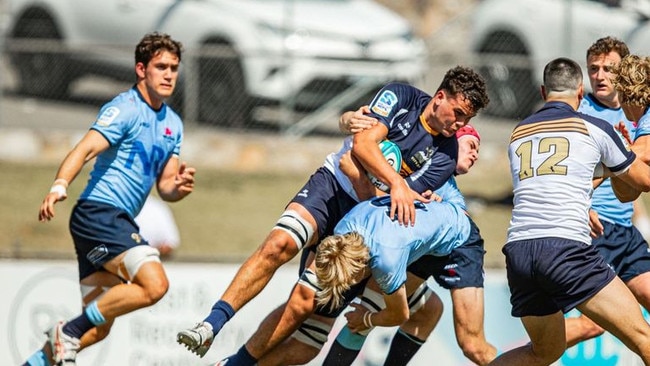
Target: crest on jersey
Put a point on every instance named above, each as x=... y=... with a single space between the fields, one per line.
x=384 y=103
x=108 y=116
x=136 y=237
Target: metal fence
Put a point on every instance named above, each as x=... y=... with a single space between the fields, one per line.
x=219 y=86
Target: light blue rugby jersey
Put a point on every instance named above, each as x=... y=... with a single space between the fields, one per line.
x=643 y=125
x=603 y=200
x=141 y=141
x=439 y=228
x=450 y=193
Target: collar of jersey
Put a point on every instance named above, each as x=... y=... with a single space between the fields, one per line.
x=426 y=126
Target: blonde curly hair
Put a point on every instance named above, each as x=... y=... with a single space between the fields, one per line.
x=632 y=81
x=340 y=263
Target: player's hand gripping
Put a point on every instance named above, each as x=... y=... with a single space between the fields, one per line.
x=355 y=318
x=402 y=203
x=358 y=121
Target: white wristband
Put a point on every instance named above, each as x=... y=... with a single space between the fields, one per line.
x=60 y=190
x=367 y=320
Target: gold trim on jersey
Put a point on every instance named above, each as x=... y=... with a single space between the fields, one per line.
x=558 y=126
x=426 y=125
x=405 y=170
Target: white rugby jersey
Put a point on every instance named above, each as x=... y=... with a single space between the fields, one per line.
x=553 y=154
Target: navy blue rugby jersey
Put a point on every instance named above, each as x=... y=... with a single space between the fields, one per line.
x=428 y=158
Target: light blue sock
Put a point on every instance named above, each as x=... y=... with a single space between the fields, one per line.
x=349 y=340
x=93 y=314
x=38 y=359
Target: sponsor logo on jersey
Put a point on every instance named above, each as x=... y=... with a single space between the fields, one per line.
x=420 y=158
x=108 y=116
x=385 y=103
x=169 y=134
x=151 y=160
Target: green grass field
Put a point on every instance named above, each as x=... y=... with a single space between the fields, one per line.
x=224 y=220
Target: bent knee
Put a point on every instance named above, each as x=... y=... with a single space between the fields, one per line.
x=278 y=248
x=550 y=354
x=156 y=290
x=434 y=306
x=478 y=351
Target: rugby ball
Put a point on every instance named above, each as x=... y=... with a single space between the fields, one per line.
x=393 y=156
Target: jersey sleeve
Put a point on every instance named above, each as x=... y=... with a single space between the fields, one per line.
x=179 y=138
x=388 y=268
x=615 y=154
x=388 y=102
x=643 y=126
x=114 y=121
x=450 y=193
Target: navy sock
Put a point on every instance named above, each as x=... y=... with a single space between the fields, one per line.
x=78 y=326
x=340 y=355
x=402 y=349
x=241 y=358
x=220 y=314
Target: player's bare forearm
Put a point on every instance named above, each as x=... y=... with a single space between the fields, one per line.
x=351 y=167
x=89 y=147
x=623 y=191
x=641 y=148
x=176 y=181
x=366 y=150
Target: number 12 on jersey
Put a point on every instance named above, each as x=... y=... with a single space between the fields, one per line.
x=548 y=155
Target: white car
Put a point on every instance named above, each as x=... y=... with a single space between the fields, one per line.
x=514 y=39
x=239 y=53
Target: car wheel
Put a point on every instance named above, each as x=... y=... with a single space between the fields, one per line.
x=507 y=69
x=44 y=71
x=222 y=90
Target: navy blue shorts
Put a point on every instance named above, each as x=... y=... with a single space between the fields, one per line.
x=462 y=268
x=100 y=233
x=325 y=200
x=546 y=275
x=624 y=249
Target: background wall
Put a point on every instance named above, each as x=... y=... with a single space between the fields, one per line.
x=46 y=291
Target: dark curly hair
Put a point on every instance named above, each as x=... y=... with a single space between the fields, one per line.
x=152 y=43
x=464 y=81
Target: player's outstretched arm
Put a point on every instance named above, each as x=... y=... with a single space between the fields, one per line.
x=87 y=149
